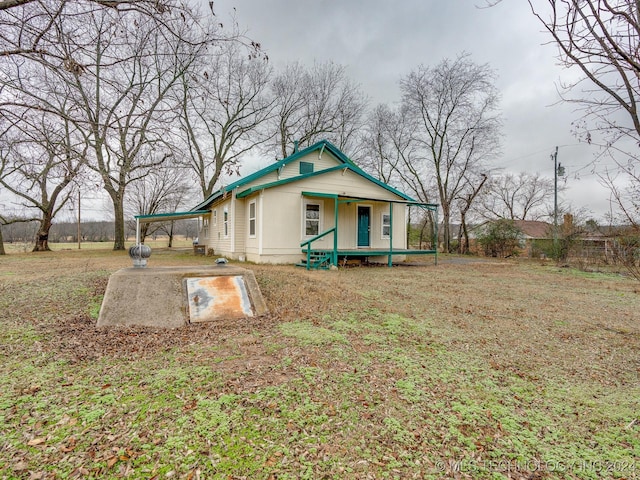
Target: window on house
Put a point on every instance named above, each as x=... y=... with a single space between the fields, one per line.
x=225 y=221
x=205 y=228
x=252 y=219
x=386 y=225
x=306 y=167
x=312 y=219
x=215 y=218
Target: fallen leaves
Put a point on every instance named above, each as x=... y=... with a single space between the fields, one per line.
x=31 y=390
x=36 y=441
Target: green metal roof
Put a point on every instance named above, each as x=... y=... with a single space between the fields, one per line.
x=323 y=145
x=353 y=198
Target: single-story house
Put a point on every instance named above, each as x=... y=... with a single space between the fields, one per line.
x=316 y=205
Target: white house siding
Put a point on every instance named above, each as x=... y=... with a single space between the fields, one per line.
x=293 y=169
x=240 y=228
x=348 y=219
x=347 y=225
x=282 y=229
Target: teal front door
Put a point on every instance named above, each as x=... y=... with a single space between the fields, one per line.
x=364 y=226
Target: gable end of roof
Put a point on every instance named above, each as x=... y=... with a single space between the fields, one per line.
x=320 y=146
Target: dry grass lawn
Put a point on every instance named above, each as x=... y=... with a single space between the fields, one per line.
x=480 y=369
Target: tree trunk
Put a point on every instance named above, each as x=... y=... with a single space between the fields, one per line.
x=464 y=235
x=144 y=232
x=118 y=210
x=446 y=230
x=2 y=252
x=171 y=235
x=42 y=235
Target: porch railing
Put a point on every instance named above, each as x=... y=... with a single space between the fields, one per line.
x=333 y=256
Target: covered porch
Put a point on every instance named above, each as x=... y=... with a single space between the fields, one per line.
x=322 y=257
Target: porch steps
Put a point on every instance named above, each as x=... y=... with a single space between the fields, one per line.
x=317 y=261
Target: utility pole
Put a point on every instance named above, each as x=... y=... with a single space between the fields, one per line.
x=558 y=171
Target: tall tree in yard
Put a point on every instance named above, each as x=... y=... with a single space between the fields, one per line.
x=317 y=103
x=224 y=106
x=165 y=189
x=119 y=69
x=452 y=111
x=600 y=39
x=39 y=158
x=389 y=153
x=524 y=196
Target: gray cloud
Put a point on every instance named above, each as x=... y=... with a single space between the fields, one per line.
x=380 y=41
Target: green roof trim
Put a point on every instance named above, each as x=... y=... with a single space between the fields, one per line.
x=352 y=198
x=160 y=217
x=320 y=195
x=323 y=145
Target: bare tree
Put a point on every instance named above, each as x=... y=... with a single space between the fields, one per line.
x=39 y=158
x=119 y=69
x=524 y=196
x=315 y=104
x=625 y=196
x=8 y=4
x=25 y=24
x=163 y=189
x=386 y=142
x=465 y=202
x=452 y=110
x=600 y=39
x=224 y=104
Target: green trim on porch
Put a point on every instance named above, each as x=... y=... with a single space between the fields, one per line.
x=317 y=258
x=161 y=217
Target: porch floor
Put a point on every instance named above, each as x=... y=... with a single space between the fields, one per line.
x=372 y=252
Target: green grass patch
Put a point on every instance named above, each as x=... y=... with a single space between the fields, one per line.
x=309 y=334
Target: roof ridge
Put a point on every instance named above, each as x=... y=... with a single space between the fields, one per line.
x=320 y=145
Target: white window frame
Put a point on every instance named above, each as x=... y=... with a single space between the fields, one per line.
x=383 y=224
x=253 y=220
x=205 y=227
x=304 y=218
x=225 y=222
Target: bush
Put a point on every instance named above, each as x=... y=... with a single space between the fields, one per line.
x=626 y=251
x=500 y=239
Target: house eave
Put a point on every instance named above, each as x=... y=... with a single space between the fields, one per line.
x=163 y=217
x=321 y=146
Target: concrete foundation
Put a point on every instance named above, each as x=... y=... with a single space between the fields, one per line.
x=159 y=296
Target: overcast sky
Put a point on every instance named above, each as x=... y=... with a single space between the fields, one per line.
x=379 y=41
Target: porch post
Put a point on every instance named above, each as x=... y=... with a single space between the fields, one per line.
x=389 y=261
x=436 y=242
x=334 y=258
